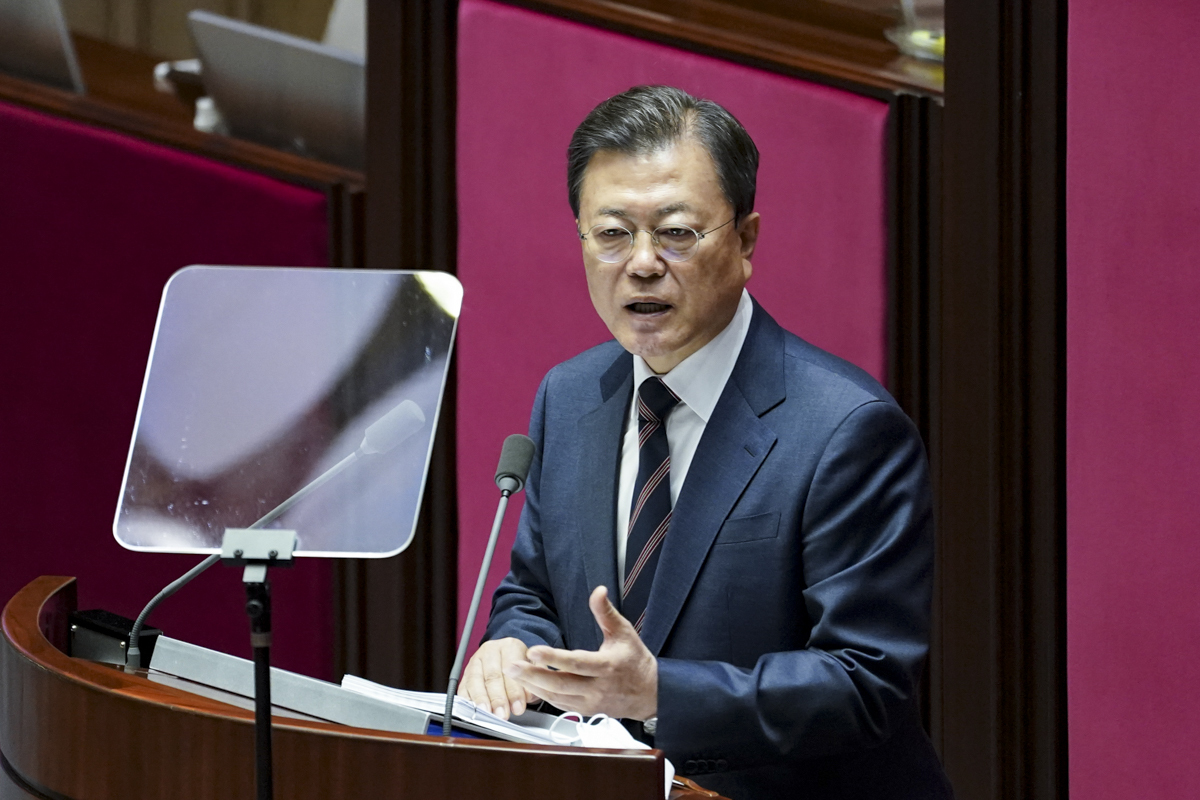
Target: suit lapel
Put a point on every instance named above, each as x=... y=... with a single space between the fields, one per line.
x=599 y=455
x=734 y=445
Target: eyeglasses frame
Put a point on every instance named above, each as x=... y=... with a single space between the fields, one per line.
x=700 y=236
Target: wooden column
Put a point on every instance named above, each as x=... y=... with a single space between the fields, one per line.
x=996 y=372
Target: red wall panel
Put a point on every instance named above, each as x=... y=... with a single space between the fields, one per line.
x=1133 y=363
x=525 y=81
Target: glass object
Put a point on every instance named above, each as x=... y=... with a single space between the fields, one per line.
x=612 y=243
x=923 y=31
x=263 y=380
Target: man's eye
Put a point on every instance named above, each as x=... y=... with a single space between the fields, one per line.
x=673 y=233
x=611 y=233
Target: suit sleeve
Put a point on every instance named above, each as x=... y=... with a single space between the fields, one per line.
x=867 y=550
x=523 y=605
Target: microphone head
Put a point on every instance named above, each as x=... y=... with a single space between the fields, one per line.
x=392 y=428
x=515 y=458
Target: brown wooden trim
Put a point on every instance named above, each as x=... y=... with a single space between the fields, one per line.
x=914 y=231
x=347 y=237
x=821 y=42
x=914 y=251
x=997 y=403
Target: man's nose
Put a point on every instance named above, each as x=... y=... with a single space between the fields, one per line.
x=644 y=261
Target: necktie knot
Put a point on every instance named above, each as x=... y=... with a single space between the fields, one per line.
x=655 y=400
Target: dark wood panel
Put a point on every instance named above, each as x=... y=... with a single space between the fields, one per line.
x=125 y=78
x=914 y=251
x=997 y=399
x=89 y=731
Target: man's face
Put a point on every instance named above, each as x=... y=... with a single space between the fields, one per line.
x=661 y=310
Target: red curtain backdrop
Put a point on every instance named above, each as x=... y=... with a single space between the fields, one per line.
x=91 y=226
x=525 y=81
x=1133 y=366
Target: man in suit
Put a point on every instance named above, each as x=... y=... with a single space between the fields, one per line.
x=727 y=532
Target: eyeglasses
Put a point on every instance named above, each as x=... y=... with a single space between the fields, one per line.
x=613 y=243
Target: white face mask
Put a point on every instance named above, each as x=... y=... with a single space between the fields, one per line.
x=603 y=731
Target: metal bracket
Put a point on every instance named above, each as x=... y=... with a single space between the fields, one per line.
x=257 y=549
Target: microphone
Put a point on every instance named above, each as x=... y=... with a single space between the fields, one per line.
x=515 y=458
x=405 y=419
x=392 y=428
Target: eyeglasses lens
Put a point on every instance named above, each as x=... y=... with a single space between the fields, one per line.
x=675 y=242
x=612 y=243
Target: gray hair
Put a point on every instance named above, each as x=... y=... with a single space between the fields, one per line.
x=646 y=119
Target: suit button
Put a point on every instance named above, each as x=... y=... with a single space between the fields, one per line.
x=689 y=767
x=722 y=765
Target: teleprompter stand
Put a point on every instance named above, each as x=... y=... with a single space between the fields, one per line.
x=256 y=550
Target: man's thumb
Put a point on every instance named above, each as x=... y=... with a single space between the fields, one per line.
x=611 y=623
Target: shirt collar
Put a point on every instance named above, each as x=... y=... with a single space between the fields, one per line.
x=700 y=378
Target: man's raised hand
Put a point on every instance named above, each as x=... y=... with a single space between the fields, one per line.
x=620 y=679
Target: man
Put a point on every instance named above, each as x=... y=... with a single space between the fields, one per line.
x=727 y=532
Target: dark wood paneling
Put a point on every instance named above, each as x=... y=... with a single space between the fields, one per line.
x=914 y=246
x=914 y=251
x=996 y=389
x=400 y=613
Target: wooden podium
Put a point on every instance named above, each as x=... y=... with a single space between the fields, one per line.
x=87 y=731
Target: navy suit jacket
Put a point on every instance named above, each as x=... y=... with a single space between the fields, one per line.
x=790 y=609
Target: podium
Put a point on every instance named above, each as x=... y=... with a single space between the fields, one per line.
x=81 y=730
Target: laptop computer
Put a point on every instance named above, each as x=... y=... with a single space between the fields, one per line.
x=282 y=90
x=36 y=45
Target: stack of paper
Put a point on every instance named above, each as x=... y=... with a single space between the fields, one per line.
x=531 y=727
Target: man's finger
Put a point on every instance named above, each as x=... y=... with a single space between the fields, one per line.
x=578 y=662
x=471 y=686
x=611 y=623
x=497 y=694
x=547 y=683
x=485 y=684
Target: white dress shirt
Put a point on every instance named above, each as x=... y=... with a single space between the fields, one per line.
x=698 y=381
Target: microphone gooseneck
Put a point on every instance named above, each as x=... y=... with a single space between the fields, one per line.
x=516 y=456
x=405 y=419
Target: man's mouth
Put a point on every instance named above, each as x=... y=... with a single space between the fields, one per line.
x=647 y=308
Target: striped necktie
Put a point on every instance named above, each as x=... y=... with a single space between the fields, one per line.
x=650 y=515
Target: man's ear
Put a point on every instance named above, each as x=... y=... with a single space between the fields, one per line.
x=748 y=232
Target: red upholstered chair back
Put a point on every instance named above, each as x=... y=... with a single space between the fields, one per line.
x=525 y=81
x=91 y=226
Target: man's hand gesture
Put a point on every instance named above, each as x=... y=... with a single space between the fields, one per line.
x=620 y=679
